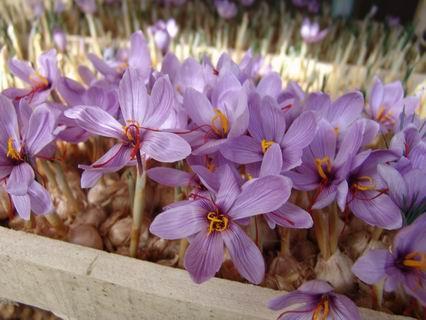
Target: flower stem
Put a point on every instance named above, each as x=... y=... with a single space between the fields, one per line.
x=285 y=241
x=138 y=205
x=62 y=182
x=321 y=233
x=333 y=219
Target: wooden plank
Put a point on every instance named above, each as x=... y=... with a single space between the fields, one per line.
x=81 y=283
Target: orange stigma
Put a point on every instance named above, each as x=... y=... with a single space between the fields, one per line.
x=223 y=127
x=416 y=260
x=319 y=165
x=384 y=117
x=218 y=222
x=322 y=310
x=11 y=151
x=266 y=144
x=39 y=80
x=364 y=187
x=132 y=133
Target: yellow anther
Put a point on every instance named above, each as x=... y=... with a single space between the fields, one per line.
x=223 y=127
x=249 y=176
x=218 y=222
x=383 y=116
x=39 y=80
x=11 y=151
x=337 y=131
x=416 y=260
x=322 y=310
x=266 y=144
x=365 y=187
x=121 y=67
x=129 y=129
x=319 y=165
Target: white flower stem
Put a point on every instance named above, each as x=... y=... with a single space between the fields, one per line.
x=138 y=206
x=333 y=219
x=321 y=233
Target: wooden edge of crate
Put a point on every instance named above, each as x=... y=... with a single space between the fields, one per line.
x=76 y=282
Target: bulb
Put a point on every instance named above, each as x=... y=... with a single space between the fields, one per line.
x=85 y=235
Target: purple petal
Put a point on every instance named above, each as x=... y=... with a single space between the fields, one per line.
x=290 y=216
x=89 y=178
x=165 y=146
x=351 y=142
x=139 y=56
x=324 y=143
x=48 y=65
x=270 y=85
x=21 y=69
x=190 y=75
x=305 y=178
x=204 y=256
x=198 y=107
x=161 y=103
x=345 y=110
x=8 y=122
x=96 y=121
x=20 y=179
x=40 y=199
x=243 y=150
x=228 y=190
x=376 y=96
x=180 y=222
x=342 y=194
x=40 y=130
x=225 y=83
x=170 y=177
x=133 y=97
x=22 y=205
x=376 y=210
x=244 y=254
x=315 y=287
x=325 y=197
x=71 y=91
x=344 y=308
x=101 y=65
x=209 y=179
x=301 y=132
x=396 y=184
x=272 y=161
x=210 y=147
x=371 y=267
x=289 y=299
x=260 y=196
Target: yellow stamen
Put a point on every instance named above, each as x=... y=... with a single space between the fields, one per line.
x=249 y=176
x=11 y=151
x=266 y=144
x=218 y=222
x=121 y=67
x=322 y=310
x=127 y=129
x=211 y=166
x=362 y=187
x=383 y=116
x=337 y=131
x=319 y=163
x=223 y=128
x=416 y=260
x=39 y=80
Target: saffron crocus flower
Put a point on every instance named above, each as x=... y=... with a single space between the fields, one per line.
x=139 y=135
x=212 y=224
x=226 y=9
x=315 y=299
x=402 y=266
x=310 y=31
x=59 y=38
x=411 y=147
x=19 y=147
x=41 y=82
x=224 y=117
x=325 y=165
x=268 y=127
x=163 y=33
x=366 y=194
x=407 y=190
x=387 y=102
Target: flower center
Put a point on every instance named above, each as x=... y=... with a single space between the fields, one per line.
x=416 y=260
x=218 y=222
x=364 y=183
x=132 y=132
x=39 y=80
x=384 y=117
x=220 y=123
x=320 y=163
x=322 y=310
x=12 y=153
x=266 y=144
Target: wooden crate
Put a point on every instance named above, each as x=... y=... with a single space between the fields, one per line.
x=76 y=282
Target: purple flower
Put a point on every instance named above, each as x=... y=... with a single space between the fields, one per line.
x=267 y=127
x=315 y=300
x=19 y=146
x=404 y=265
x=325 y=163
x=311 y=33
x=87 y=6
x=41 y=81
x=212 y=224
x=226 y=9
x=223 y=116
x=407 y=190
x=386 y=103
x=59 y=38
x=139 y=58
x=139 y=134
x=163 y=33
